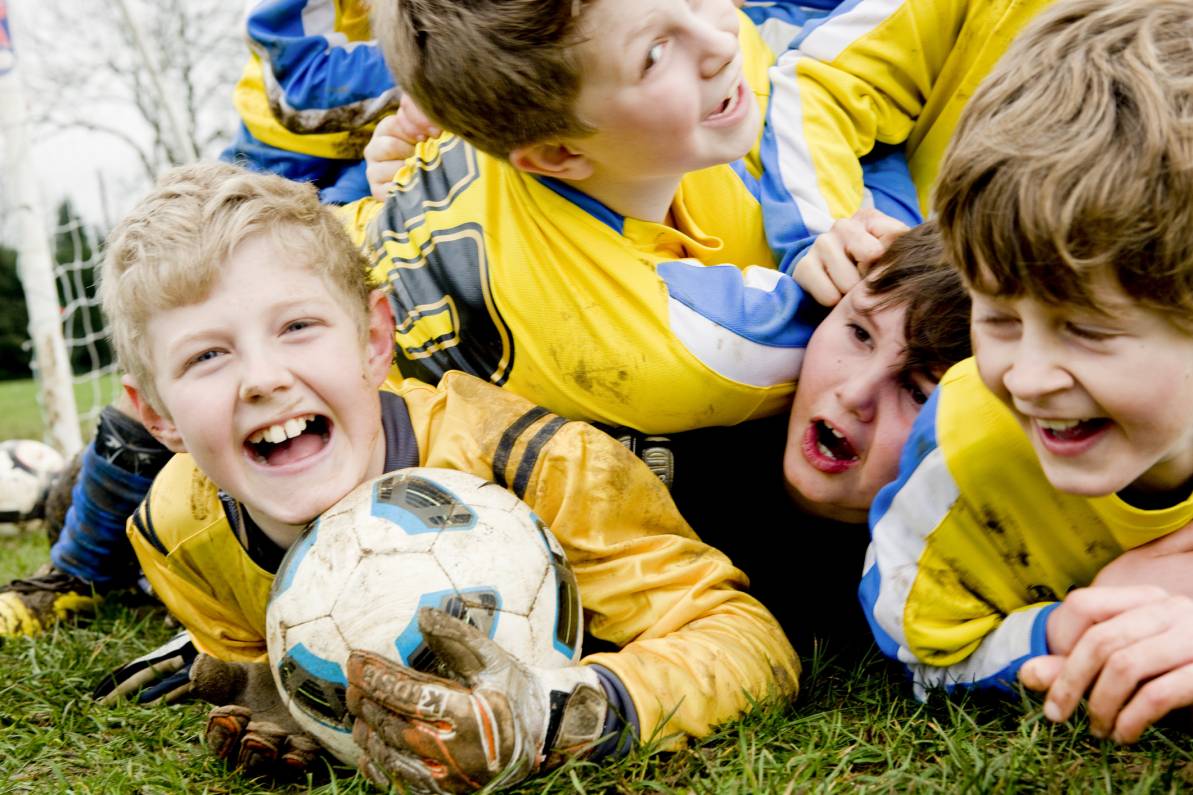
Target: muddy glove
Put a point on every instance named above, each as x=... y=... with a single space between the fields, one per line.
x=495 y=722
x=250 y=727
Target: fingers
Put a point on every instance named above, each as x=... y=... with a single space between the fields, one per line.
x=414 y=123
x=402 y=690
x=225 y=727
x=261 y=749
x=1153 y=701
x=300 y=753
x=423 y=759
x=1039 y=673
x=463 y=648
x=841 y=256
x=1084 y=607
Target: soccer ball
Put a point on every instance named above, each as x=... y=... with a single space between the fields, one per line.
x=358 y=576
x=26 y=470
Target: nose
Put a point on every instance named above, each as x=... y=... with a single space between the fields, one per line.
x=262 y=375
x=1035 y=370
x=858 y=392
x=717 y=44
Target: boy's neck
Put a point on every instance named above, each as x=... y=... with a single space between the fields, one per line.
x=644 y=199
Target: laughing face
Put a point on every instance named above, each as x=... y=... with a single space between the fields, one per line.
x=664 y=88
x=853 y=410
x=271 y=383
x=1106 y=396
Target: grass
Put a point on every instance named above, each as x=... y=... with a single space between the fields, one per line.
x=20 y=412
x=854 y=729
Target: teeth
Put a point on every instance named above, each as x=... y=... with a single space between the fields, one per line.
x=824 y=451
x=836 y=433
x=280 y=433
x=1058 y=425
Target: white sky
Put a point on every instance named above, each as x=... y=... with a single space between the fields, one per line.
x=79 y=163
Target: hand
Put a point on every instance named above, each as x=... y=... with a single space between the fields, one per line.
x=250 y=727
x=1164 y=562
x=845 y=253
x=1131 y=649
x=393 y=141
x=496 y=721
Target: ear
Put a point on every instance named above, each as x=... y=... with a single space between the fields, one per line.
x=552 y=159
x=379 y=343
x=162 y=428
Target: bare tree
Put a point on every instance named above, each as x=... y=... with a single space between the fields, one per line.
x=89 y=73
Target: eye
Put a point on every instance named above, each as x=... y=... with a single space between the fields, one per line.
x=916 y=388
x=205 y=356
x=859 y=333
x=299 y=325
x=1089 y=333
x=653 y=56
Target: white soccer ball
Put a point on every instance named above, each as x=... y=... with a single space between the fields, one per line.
x=26 y=469
x=357 y=578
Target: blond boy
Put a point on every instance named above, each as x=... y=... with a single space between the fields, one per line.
x=252 y=344
x=1065 y=448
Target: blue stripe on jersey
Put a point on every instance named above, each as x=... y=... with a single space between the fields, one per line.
x=314 y=73
x=843 y=8
x=776 y=316
x=920 y=443
x=888 y=179
x=747 y=179
x=786 y=232
x=586 y=203
x=788 y=16
x=1006 y=678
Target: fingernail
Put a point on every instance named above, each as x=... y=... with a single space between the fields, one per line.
x=1097 y=731
x=1052 y=711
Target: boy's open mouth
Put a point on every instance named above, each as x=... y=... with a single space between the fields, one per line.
x=1071 y=430
x=729 y=104
x=292 y=440
x=827 y=449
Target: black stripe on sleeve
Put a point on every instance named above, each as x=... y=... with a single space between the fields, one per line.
x=505 y=445
x=143 y=521
x=531 y=456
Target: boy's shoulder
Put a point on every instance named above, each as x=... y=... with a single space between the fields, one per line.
x=181 y=503
x=983 y=445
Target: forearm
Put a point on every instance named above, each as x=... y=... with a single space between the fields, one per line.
x=687 y=681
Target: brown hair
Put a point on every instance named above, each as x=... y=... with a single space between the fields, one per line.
x=1073 y=162
x=913 y=273
x=170 y=250
x=499 y=73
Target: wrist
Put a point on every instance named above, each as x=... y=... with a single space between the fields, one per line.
x=576 y=712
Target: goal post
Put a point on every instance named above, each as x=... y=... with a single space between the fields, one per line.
x=35 y=265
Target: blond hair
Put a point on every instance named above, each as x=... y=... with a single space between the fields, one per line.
x=171 y=249
x=501 y=74
x=1074 y=160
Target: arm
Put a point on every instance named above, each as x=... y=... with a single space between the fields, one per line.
x=695 y=647
x=860 y=77
x=924 y=614
x=166 y=534
x=321 y=70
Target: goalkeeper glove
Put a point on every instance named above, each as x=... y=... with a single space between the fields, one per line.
x=495 y=722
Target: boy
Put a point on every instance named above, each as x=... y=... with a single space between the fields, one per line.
x=810 y=475
x=1066 y=205
x=560 y=245
x=241 y=315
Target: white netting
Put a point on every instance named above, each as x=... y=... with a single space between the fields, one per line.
x=92 y=363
